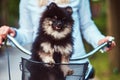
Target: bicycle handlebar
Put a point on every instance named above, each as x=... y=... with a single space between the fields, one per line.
x=106 y=44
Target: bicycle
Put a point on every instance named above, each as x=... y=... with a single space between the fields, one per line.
x=83 y=67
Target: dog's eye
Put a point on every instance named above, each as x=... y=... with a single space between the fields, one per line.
x=55 y=17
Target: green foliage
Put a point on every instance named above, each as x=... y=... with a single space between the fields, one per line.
x=102 y=67
x=95 y=0
x=13 y=9
x=100 y=21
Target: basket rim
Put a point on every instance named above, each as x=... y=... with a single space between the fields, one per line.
x=36 y=62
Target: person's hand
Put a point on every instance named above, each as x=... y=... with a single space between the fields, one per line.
x=113 y=44
x=4 y=31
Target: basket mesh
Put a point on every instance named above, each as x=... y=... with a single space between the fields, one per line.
x=80 y=69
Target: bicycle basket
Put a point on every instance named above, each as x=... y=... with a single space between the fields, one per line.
x=80 y=69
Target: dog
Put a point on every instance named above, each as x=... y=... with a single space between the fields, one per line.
x=53 y=44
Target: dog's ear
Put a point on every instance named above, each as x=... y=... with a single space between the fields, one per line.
x=69 y=10
x=51 y=6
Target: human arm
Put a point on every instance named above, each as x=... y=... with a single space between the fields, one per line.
x=89 y=30
x=25 y=32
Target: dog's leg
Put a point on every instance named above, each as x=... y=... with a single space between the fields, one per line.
x=47 y=58
x=65 y=68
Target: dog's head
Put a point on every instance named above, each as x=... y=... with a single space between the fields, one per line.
x=57 y=21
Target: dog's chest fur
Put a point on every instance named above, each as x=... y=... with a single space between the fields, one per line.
x=63 y=49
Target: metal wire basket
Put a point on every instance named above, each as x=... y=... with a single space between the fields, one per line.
x=80 y=68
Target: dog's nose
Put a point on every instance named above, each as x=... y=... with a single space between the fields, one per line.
x=59 y=24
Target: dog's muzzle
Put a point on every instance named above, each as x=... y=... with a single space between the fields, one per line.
x=57 y=25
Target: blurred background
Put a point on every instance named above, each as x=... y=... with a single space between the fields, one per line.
x=106 y=15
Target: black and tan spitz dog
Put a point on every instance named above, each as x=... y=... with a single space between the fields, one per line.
x=54 y=44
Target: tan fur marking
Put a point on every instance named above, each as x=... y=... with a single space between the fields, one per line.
x=47 y=47
x=47 y=58
x=64 y=50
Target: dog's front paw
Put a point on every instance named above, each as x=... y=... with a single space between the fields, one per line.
x=66 y=70
x=49 y=62
x=69 y=72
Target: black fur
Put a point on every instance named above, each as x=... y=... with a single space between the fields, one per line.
x=61 y=18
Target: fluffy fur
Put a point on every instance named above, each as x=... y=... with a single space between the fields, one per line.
x=54 y=44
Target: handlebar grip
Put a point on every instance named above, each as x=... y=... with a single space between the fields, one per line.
x=102 y=50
